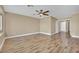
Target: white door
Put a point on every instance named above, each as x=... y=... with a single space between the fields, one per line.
x=62 y=26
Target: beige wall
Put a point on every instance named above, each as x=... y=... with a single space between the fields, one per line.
x=53 y=25
x=47 y=25
x=74 y=25
x=18 y=24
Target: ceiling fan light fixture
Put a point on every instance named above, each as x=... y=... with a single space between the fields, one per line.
x=41 y=14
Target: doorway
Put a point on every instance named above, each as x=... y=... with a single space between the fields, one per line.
x=64 y=26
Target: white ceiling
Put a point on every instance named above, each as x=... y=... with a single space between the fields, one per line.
x=58 y=11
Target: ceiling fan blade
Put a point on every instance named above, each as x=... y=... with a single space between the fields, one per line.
x=46 y=14
x=36 y=10
x=46 y=11
x=41 y=10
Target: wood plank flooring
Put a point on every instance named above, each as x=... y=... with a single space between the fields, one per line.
x=40 y=43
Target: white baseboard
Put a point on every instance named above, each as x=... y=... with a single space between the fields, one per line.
x=22 y=35
x=48 y=33
x=29 y=34
x=75 y=36
x=53 y=33
x=2 y=44
x=45 y=33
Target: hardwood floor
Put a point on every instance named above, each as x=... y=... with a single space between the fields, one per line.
x=40 y=43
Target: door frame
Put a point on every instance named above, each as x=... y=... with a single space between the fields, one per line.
x=58 y=25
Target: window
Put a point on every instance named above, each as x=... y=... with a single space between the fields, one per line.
x=0 y=23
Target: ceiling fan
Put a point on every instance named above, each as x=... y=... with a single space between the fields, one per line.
x=42 y=12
